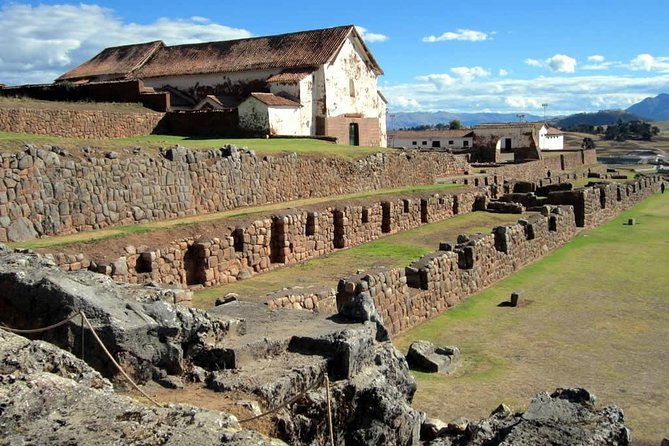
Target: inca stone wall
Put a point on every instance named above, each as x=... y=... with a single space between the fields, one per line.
x=236 y=250
x=404 y=297
x=45 y=191
x=79 y=123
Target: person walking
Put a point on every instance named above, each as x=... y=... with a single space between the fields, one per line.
x=662 y=187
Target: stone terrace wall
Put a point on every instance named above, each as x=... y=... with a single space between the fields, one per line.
x=596 y=204
x=44 y=193
x=79 y=123
x=240 y=250
x=404 y=297
x=547 y=167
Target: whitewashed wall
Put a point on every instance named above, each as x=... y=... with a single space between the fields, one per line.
x=350 y=65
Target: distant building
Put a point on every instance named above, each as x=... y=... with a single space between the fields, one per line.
x=510 y=136
x=431 y=139
x=310 y=83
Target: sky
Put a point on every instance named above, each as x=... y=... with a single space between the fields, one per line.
x=555 y=57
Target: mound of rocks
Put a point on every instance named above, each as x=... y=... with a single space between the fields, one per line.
x=565 y=417
x=48 y=396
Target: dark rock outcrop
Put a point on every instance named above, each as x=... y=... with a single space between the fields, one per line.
x=147 y=335
x=47 y=396
x=564 y=418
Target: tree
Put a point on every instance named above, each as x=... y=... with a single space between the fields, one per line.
x=588 y=143
x=455 y=125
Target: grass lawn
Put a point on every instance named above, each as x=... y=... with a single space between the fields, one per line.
x=141 y=228
x=596 y=315
x=392 y=251
x=14 y=142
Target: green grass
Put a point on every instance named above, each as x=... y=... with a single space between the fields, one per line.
x=392 y=251
x=595 y=314
x=141 y=228
x=151 y=143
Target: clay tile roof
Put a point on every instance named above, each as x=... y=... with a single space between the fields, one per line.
x=293 y=50
x=291 y=75
x=275 y=101
x=553 y=131
x=118 y=62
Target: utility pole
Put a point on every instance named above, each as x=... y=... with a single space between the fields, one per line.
x=544 y=106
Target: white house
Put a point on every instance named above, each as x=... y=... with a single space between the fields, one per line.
x=431 y=139
x=322 y=82
x=510 y=136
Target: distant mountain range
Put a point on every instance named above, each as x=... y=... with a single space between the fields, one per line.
x=602 y=117
x=656 y=109
x=414 y=119
x=650 y=109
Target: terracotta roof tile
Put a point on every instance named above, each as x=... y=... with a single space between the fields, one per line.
x=275 y=101
x=290 y=76
x=294 y=50
x=118 y=62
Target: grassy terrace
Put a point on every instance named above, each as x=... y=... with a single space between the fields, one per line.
x=392 y=251
x=595 y=315
x=142 y=228
x=12 y=142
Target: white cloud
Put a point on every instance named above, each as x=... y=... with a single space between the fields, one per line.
x=468 y=73
x=39 y=43
x=559 y=63
x=461 y=34
x=502 y=72
x=370 y=37
x=648 y=62
x=440 y=80
x=522 y=103
x=404 y=103
x=564 y=94
x=562 y=63
x=596 y=58
x=534 y=62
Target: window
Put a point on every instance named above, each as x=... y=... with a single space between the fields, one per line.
x=365 y=215
x=424 y=143
x=450 y=142
x=436 y=144
x=414 y=143
x=351 y=87
x=465 y=143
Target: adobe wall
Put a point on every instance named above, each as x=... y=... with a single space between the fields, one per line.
x=43 y=192
x=405 y=297
x=78 y=123
x=236 y=250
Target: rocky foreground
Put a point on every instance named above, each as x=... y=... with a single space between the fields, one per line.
x=48 y=396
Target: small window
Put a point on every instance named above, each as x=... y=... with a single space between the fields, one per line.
x=365 y=215
x=465 y=143
x=450 y=142
x=414 y=143
x=406 y=205
x=424 y=143
x=351 y=87
x=436 y=144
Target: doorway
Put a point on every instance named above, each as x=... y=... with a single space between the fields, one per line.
x=353 y=134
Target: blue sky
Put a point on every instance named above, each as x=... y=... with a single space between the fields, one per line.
x=457 y=56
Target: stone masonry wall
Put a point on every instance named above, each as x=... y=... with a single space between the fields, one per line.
x=45 y=192
x=79 y=123
x=404 y=297
x=239 y=250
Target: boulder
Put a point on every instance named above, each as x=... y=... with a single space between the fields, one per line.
x=565 y=417
x=424 y=356
x=48 y=396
